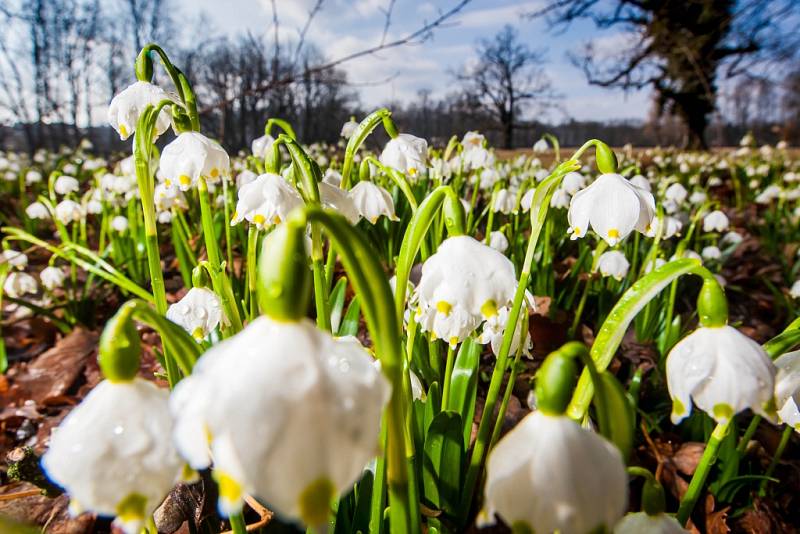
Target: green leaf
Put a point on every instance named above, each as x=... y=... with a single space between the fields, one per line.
x=443 y=458
x=432 y=404
x=349 y=326
x=464 y=383
x=336 y=302
x=615 y=414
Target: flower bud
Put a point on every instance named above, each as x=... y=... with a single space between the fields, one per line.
x=364 y=170
x=712 y=306
x=144 y=65
x=200 y=277
x=555 y=381
x=119 y=350
x=284 y=280
x=605 y=158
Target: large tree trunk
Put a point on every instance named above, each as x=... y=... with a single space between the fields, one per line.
x=693 y=112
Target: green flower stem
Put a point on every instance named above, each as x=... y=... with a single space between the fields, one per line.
x=448 y=372
x=282 y=124
x=616 y=324
x=222 y=287
x=400 y=180
x=237 y=524
x=748 y=434
x=556 y=145
x=490 y=220
x=785 y=437
x=539 y=208
x=4 y=267
x=209 y=235
x=498 y=425
x=227 y=224
x=701 y=473
x=357 y=139
x=369 y=281
x=252 y=271
x=601 y=247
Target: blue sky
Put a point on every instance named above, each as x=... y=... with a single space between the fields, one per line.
x=345 y=26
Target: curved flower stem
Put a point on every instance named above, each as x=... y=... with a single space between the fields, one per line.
x=701 y=473
x=601 y=247
x=282 y=124
x=785 y=437
x=357 y=139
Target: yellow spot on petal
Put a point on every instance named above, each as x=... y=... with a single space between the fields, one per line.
x=454 y=341
x=132 y=508
x=188 y=474
x=184 y=180
x=315 y=502
x=168 y=182
x=576 y=231
x=722 y=412
x=489 y=309
x=259 y=219
x=613 y=233
x=230 y=491
x=214 y=172
x=412 y=171
x=197 y=333
x=444 y=307
x=276 y=219
x=678 y=409
x=123 y=131
x=235 y=215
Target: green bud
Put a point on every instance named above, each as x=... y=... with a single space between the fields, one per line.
x=653 y=500
x=555 y=381
x=120 y=348
x=454 y=218
x=144 y=65
x=284 y=277
x=182 y=121
x=605 y=158
x=389 y=126
x=712 y=306
x=363 y=171
x=200 y=277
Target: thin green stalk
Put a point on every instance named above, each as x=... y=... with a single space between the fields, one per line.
x=252 y=271
x=498 y=425
x=748 y=434
x=209 y=235
x=448 y=374
x=237 y=524
x=701 y=473
x=785 y=437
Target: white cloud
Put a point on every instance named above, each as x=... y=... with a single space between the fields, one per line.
x=497 y=16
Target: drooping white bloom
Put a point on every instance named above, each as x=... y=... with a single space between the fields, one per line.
x=770 y=193
x=573 y=182
x=540 y=146
x=128 y=105
x=52 y=277
x=18 y=284
x=787 y=389
x=168 y=196
x=560 y=199
x=199 y=312
x=698 y=197
x=334 y=177
x=406 y=153
x=711 y=253
x=338 y=199
x=642 y=183
x=498 y=241
x=613 y=207
x=65 y=185
x=462 y=284
x=655 y=264
x=372 y=201
x=33 y=176
x=494 y=328
x=324 y=399
x=527 y=199
x=794 y=292
x=190 y=156
x=552 y=475
x=723 y=371
x=672 y=227
x=487 y=178
x=348 y=129
x=265 y=201
x=15 y=258
x=504 y=201
x=262 y=145
x=676 y=193
x=68 y=211
x=244 y=178
x=731 y=238
x=112 y=453
x=642 y=523
x=716 y=221
x=613 y=263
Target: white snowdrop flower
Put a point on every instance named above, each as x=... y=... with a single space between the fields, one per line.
x=372 y=201
x=794 y=292
x=128 y=105
x=338 y=199
x=265 y=201
x=477 y=158
x=504 y=201
x=711 y=253
x=551 y=475
x=494 y=328
x=52 y=277
x=782 y=145
x=199 y=312
x=325 y=404
x=722 y=371
x=65 y=185
x=643 y=523
x=498 y=241
x=473 y=140
x=731 y=238
x=119 y=425
x=753 y=184
x=541 y=174
x=18 y=284
x=792 y=194
x=462 y=284
x=573 y=182
x=10 y=176
x=15 y=258
x=714 y=181
x=613 y=207
x=119 y=224
x=540 y=146
x=168 y=196
x=655 y=264
x=262 y=145
x=716 y=221
x=68 y=211
x=676 y=193
x=527 y=199
x=94 y=207
x=672 y=227
x=487 y=178
x=406 y=153
x=698 y=197
x=190 y=156
x=33 y=177
x=770 y=193
x=348 y=129
x=787 y=389
x=164 y=217
x=334 y=177
x=244 y=178
x=684 y=168
x=560 y=199
x=791 y=177
x=642 y=183
x=613 y=263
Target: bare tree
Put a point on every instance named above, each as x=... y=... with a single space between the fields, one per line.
x=508 y=80
x=680 y=47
